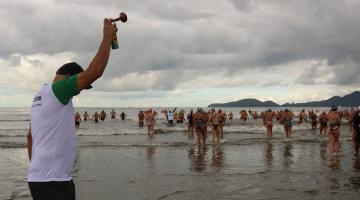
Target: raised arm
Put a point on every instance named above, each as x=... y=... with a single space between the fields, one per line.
x=99 y=62
x=29 y=143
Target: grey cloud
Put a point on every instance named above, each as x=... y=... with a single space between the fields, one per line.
x=142 y=81
x=347 y=73
x=270 y=83
x=14 y=60
x=204 y=36
x=242 y=5
x=130 y=95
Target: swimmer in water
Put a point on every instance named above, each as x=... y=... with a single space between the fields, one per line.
x=191 y=124
x=95 y=117
x=86 y=116
x=214 y=120
x=287 y=118
x=113 y=114
x=103 y=115
x=334 y=131
x=323 y=121
x=268 y=122
x=77 y=119
x=200 y=120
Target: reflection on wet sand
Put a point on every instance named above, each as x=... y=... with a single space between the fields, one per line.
x=334 y=163
x=217 y=157
x=333 y=184
x=197 y=158
x=333 y=180
x=323 y=148
x=288 y=155
x=356 y=164
x=269 y=155
x=355 y=180
x=150 y=152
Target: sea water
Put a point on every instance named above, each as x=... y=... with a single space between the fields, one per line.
x=117 y=160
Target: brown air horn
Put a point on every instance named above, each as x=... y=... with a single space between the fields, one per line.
x=122 y=17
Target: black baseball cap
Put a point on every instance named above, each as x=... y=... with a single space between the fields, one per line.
x=71 y=68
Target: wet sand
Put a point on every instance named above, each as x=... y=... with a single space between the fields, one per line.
x=261 y=170
x=271 y=170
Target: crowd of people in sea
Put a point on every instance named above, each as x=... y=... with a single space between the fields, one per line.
x=200 y=121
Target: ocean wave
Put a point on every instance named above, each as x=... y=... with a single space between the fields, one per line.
x=13 y=135
x=225 y=142
x=14 y=120
x=236 y=142
x=13 y=144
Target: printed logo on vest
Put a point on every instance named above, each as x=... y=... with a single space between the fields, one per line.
x=37 y=101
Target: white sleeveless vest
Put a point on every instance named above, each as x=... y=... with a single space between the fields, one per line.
x=53 y=138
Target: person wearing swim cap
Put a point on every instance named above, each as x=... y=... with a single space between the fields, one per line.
x=313 y=116
x=215 y=120
x=103 y=115
x=286 y=119
x=95 y=117
x=113 y=114
x=51 y=137
x=150 y=122
x=323 y=121
x=86 y=116
x=231 y=115
x=349 y=116
x=268 y=122
x=122 y=116
x=200 y=120
x=334 y=131
x=77 y=119
x=302 y=116
x=141 y=117
x=243 y=115
x=223 y=117
x=170 y=117
x=356 y=127
x=191 y=124
x=255 y=115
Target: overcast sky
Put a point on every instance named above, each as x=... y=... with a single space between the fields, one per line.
x=184 y=53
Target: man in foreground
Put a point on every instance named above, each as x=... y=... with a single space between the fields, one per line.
x=52 y=133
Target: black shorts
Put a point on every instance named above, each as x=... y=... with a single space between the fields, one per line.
x=216 y=126
x=54 y=190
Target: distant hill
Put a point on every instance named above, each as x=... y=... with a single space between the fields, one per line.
x=246 y=103
x=349 y=100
